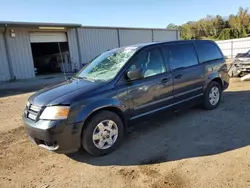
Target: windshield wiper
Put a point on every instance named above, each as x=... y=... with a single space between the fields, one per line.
x=89 y=79
x=82 y=78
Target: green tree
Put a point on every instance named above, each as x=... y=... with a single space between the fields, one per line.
x=172 y=26
x=243 y=32
x=216 y=27
x=225 y=34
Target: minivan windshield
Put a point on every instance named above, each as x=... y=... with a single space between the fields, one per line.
x=106 y=66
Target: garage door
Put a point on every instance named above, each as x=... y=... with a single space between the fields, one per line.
x=47 y=37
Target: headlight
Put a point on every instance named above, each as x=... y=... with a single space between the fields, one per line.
x=55 y=113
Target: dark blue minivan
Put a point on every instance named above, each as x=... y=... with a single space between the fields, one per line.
x=93 y=109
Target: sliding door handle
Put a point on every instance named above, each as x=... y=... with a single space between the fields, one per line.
x=179 y=76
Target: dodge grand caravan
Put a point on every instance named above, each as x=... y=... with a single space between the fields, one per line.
x=92 y=109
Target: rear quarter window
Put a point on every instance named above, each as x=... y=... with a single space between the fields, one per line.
x=208 y=51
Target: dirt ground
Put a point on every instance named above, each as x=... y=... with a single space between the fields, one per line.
x=194 y=148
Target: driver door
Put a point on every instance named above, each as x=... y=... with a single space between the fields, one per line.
x=153 y=92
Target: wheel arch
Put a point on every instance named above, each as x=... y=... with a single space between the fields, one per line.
x=218 y=80
x=214 y=78
x=113 y=109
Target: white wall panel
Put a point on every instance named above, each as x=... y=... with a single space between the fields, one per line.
x=231 y=48
x=41 y=37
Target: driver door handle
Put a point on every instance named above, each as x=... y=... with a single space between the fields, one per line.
x=164 y=80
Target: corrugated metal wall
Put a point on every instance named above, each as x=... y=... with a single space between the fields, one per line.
x=132 y=36
x=73 y=49
x=94 y=41
x=231 y=48
x=20 y=54
x=4 y=68
x=161 y=35
x=84 y=44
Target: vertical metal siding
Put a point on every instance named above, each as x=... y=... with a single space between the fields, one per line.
x=133 y=36
x=4 y=68
x=94 y=41
x=240 y=46
x=21 y=54
x=226 y=48
x=73 y=49
x=231 y=48
x=161 y=35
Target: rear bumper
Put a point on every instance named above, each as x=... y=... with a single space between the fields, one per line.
x=56 y=136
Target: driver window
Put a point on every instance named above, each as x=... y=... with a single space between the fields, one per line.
x=150 y=62
x=139 y=61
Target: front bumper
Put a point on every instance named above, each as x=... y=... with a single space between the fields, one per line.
x=242 y=66
x=57 y=136
x=244 y=69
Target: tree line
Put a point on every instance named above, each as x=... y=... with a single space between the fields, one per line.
x=217 y=27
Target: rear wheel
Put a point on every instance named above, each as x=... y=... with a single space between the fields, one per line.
x=103 y=133
x=212 y=96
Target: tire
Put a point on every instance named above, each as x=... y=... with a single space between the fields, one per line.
x=90 y=144
x=208 y=104
x=241 y=74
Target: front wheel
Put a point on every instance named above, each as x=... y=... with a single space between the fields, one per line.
x=103 y=133
x=212 y=96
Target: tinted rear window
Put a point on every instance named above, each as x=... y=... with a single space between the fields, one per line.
x=208 y=51
x=180 y=55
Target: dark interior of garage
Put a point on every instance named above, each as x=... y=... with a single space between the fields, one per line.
x=47 y=57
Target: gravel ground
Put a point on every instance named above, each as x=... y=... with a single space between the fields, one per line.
x=194 y=148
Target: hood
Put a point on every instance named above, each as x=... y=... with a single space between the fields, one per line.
x=245 y=59
x=57 y=93
x=242 y=61
x=242 y=55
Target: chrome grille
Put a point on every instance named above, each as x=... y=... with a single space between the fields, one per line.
x=32 y=111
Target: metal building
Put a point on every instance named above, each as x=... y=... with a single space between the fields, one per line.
x=26 y=46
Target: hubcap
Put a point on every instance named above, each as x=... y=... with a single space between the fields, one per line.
x=105 y=134
x=214 y=95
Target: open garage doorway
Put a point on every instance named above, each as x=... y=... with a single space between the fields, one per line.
x=50 y=53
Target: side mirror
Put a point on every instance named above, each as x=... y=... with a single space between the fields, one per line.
x=135 y=74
